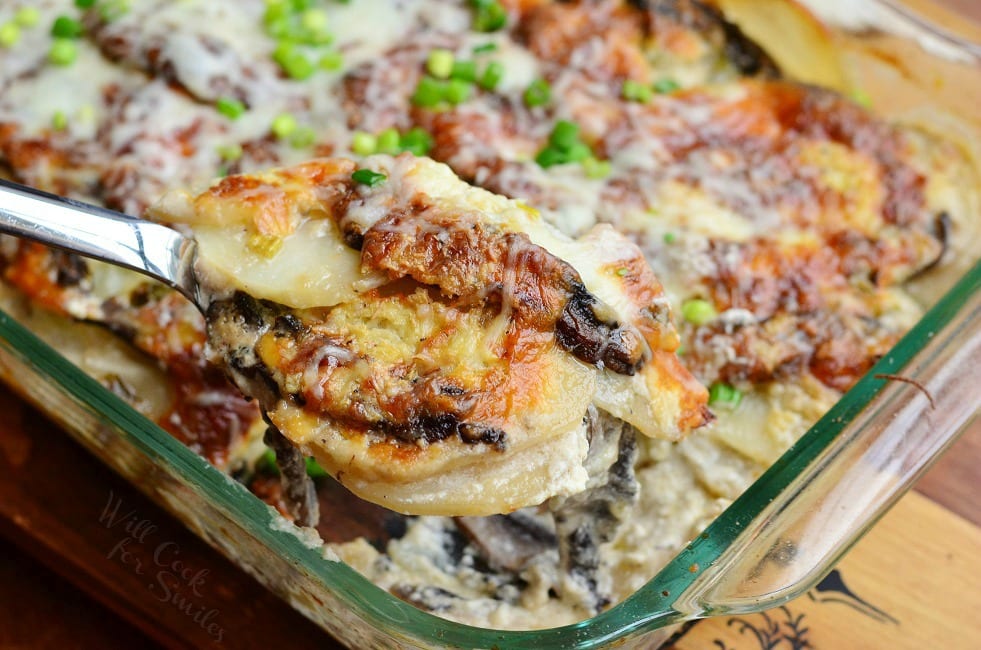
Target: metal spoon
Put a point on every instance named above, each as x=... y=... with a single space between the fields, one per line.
x=143 y=246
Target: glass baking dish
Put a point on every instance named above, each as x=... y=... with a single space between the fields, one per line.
x=772 y=544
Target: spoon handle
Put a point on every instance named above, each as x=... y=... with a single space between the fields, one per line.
x=149 y=248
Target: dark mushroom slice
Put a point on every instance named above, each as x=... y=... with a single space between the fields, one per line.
x=299 y=492
x=586 y=520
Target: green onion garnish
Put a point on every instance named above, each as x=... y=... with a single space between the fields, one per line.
x=27 y=16
x=9 y=34
x=230 y=107
x=266 y=463
x=84 y=4
x=723 y=394
x=549 y=157
x=456 y=91
x=492 y=76
x=464 y=71
x=564 y=146
x=861 y=98
x=388 y=142
x=368 y=177
x=538 y=93
x=314 y=20
x=284 y=125
x=634 y=91
x=698 y=312
x=439 y=63
x=63 y=51
x=314 y=470
x=595 y=168
x=66 y=27
x=429 y=92
x=665 y=86
x=670 y=238
x=302 y=137
x=489 y=15
x=59 y=121
x=564 y=135
x=485 y=48
x=230 y=152
x=293 y=62
x=416 y=141
x=110 y=10
x=331 y=61
x=364 y=144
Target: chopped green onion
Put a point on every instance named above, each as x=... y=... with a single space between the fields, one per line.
x=578 y=152
x=722 y=394
x=550 y=156
x=85 y=114
x=564 y=135
x=634 y=91
x=429 y=92
x=230 y=107
x=489 y=15
x=538 y=93
x=302 y=137
x=595 y=168
x=230 y=152
x=485 y=48
x=564 y=146
x=665 y=86
x=368 y=177
x=300 y=5
x=416 y=141
x=456 y=91
x=698 y=312
x=66 y=27
x=63 y=51
x=9 y=35
x=331 y=61
x=59 y=121
x=440 y=63
x=284 y=125
x=861 y=97
x=492 y=76
x=84 y=4
x=670 y=238
x=388 y=141
x=364 y=144
x=110 y=10
x=27 y=16
x=314 y=470
x=314 y=20
x=623 y=271
x=464 y=71
x=293 y=62
x=266 y=463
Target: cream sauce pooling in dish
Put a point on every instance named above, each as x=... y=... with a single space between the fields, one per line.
x=783 y=221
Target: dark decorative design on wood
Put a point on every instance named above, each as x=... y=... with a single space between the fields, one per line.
x=772 y=632
x=834 y=590
x=789 y=632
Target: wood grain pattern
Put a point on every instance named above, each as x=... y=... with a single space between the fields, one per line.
x=69 y=511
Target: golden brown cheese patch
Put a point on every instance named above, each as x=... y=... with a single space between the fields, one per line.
x=472 y=349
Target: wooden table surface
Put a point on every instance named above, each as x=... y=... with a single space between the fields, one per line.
x=62 y=584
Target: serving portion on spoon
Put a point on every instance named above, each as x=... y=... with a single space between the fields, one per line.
x=436 y=347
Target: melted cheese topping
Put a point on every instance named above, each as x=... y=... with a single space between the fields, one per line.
x=798 y=215
x=411 y=375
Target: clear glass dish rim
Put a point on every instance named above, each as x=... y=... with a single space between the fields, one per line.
x=384 y=611
x=381 y=609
